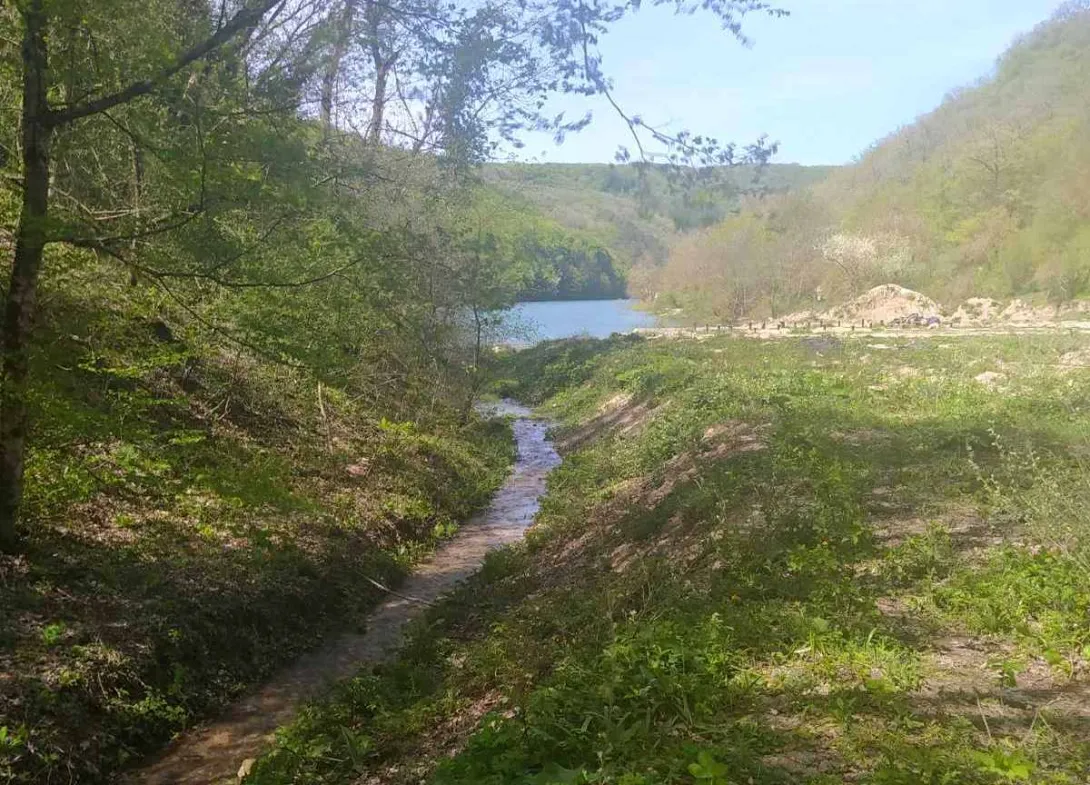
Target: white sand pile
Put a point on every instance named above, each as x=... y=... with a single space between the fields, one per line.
x=990 y=378
x=1021 y=312
x=886 y=303
x=977 y=311
x=799 y=317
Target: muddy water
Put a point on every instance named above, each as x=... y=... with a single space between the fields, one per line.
x=215 y=753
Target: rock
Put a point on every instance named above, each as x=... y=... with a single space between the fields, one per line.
x=888 y=303
x=359 y=469
x=1076 y=359
x=245 y=769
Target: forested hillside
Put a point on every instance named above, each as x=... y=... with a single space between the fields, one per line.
x=639 y=210
x=236 y=409
x=537 y=257
x=988 y=195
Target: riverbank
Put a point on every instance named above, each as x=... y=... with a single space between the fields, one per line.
x=196 y=521
x=769 y=331
x=216 y=752
x=770 y=563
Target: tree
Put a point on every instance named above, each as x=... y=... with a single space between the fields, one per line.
x=145 y=127
x=42 y=120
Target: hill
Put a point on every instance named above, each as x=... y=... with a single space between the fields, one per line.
x=987 y=195
x=536 y=257
x=639 y=215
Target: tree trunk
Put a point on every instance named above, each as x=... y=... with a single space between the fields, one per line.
x=378 y=103
x=479 y=334
x=30 y=242
x=382 y=66
x=341 y=37
x=137 y=198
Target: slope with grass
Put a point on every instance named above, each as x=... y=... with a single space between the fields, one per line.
x=985 y=196
x=805 y=561
x=198 y=514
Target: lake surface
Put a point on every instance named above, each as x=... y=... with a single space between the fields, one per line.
x=545 y=321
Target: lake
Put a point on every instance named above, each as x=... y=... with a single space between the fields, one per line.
x=545 y=321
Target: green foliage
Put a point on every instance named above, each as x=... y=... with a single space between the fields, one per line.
x=199 y=516
x=535 y=257
x=708 y=770
x=1042 y=598
x=638 y=211
x=1012 y=766
x=930 y=555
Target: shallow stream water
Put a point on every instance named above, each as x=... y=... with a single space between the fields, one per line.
x=215 y=752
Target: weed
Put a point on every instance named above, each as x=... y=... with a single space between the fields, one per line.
x=698 y=607
x=192 y=524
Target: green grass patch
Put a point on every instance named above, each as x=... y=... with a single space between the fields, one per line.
x=764 y=563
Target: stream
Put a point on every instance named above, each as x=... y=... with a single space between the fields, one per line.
x=221 y=750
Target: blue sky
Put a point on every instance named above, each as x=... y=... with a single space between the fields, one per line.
x=827 y=81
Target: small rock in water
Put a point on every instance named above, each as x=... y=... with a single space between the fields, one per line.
x=245 y=769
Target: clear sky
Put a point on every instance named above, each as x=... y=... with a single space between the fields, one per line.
x=827 y=81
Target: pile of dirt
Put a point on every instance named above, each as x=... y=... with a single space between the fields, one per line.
x=885 y=304
x=977 y=311
x=1075 y=311
x=799 y=318
x=990 y=378
x=1021 y=312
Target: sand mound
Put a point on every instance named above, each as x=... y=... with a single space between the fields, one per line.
x=887 y=303
x=1077 y=308
x=977 y=310
x=799 y=317
x=1022 y=312
x=990 y=378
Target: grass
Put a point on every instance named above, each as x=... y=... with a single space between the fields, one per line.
x=797 y=561
x=196 y=518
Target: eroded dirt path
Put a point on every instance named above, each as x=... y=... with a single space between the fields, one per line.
x=215 y=752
